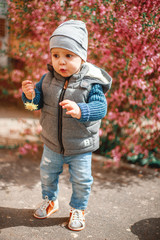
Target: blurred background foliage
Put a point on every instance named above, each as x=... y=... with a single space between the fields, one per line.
x=124 y=39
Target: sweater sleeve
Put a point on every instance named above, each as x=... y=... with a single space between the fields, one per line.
x=38 y=99
x=96 y=106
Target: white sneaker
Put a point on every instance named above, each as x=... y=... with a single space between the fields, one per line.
x=46 y=208
x=77 y=220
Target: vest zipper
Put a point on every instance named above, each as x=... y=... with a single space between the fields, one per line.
x=60 y=112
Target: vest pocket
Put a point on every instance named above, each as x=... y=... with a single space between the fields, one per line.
x=73 y=128
x=93 y=127
x=75 y=135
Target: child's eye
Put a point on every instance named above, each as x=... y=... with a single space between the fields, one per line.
x=68 y=55
x=55 y=55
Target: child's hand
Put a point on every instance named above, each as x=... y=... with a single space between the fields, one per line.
x=72 y=108
x=28 y=89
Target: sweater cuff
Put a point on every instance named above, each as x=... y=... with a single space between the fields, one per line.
x=24 y=99
x=85 y=112
x=36 y=99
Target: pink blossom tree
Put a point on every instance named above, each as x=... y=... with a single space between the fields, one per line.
x=124 y=40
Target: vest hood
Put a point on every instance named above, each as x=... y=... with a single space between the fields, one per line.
x=97 y=75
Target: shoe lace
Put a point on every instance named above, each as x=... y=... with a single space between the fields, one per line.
x=45 y=203
x=77 y=215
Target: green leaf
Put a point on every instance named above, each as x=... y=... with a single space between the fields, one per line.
x=5 y=91
x=144 y=161
x=144 y=15
x=133 y=158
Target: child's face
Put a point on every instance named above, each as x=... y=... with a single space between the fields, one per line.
x=65 y=62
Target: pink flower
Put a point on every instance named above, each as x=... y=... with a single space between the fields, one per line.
x=17 y=75
x=28 y=146
x=22 y=150
x=141 y=84
x=116 y=153
x=100 y=132
x=158 y=115
x=39 y=129
x=150 y=99
x=35 y=148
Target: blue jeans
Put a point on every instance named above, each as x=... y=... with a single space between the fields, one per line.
x=80 y=176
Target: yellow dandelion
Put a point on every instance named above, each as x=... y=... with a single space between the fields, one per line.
x=31 y=106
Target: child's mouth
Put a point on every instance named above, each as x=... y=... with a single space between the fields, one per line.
x=63 y=70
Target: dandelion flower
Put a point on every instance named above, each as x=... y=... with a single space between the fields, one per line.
x=31 y=106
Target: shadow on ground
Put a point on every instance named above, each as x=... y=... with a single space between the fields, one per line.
x=12 y=217
x=147 y=229
x=25 y=171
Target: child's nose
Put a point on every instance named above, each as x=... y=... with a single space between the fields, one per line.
x=61 y=61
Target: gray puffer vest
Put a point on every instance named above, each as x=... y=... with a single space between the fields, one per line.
x=60 y=132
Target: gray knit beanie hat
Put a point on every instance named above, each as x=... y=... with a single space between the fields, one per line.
x=73 y=36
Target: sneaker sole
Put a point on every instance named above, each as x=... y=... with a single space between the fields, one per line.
x=53 y=211
x=78 y=229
